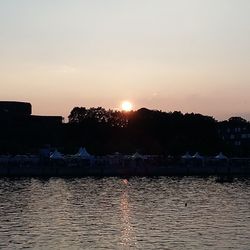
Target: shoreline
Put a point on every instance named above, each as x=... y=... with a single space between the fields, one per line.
x=121 y=171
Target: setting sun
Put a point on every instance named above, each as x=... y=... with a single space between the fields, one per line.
x=127 y=106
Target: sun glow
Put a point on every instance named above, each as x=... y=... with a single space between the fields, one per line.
x=127 y=106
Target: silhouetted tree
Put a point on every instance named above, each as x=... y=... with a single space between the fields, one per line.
x=98 y=115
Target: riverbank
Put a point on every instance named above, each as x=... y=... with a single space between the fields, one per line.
x=56 y=170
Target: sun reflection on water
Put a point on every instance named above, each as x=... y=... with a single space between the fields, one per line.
x=128 y=236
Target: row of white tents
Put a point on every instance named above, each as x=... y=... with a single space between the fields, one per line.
x=83 y=154
x=187 y=156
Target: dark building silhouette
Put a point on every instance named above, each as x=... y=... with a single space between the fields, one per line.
x=235 y=132
x=20 y=131
x=8 y=109
x=14 y=113
x=22 y=112
x=46 y=120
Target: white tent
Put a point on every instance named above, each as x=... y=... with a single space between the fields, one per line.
x=186 y=156
x=220 y=156
x=56 y=155
x=197 y=156
x=137 y=156
x=83 y=154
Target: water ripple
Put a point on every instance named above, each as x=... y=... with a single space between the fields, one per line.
x=113 y=213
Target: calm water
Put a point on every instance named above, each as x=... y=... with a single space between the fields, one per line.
x=113 y=213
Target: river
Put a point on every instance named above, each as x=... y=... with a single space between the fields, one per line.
x=115 y=213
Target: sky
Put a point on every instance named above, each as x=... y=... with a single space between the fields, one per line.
x=185 y=55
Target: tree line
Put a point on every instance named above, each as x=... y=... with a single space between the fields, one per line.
x=104 y=131
x=144 y=130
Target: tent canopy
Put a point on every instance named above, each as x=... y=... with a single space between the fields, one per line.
x=197 y=156
x=220 y=156
x=186 y=156
x=56 y=155
x=137 y=156
x=83 y=154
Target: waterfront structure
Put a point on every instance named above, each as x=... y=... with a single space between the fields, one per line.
x=235 y=132
x=121 y=165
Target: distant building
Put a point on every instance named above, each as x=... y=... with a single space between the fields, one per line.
x=12 y=111
x=235 y=132
x=20 y=131
x=8 y=108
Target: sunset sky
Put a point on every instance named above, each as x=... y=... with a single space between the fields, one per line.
x=186 y=55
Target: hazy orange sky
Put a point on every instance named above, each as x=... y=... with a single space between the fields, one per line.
x=187 y=55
